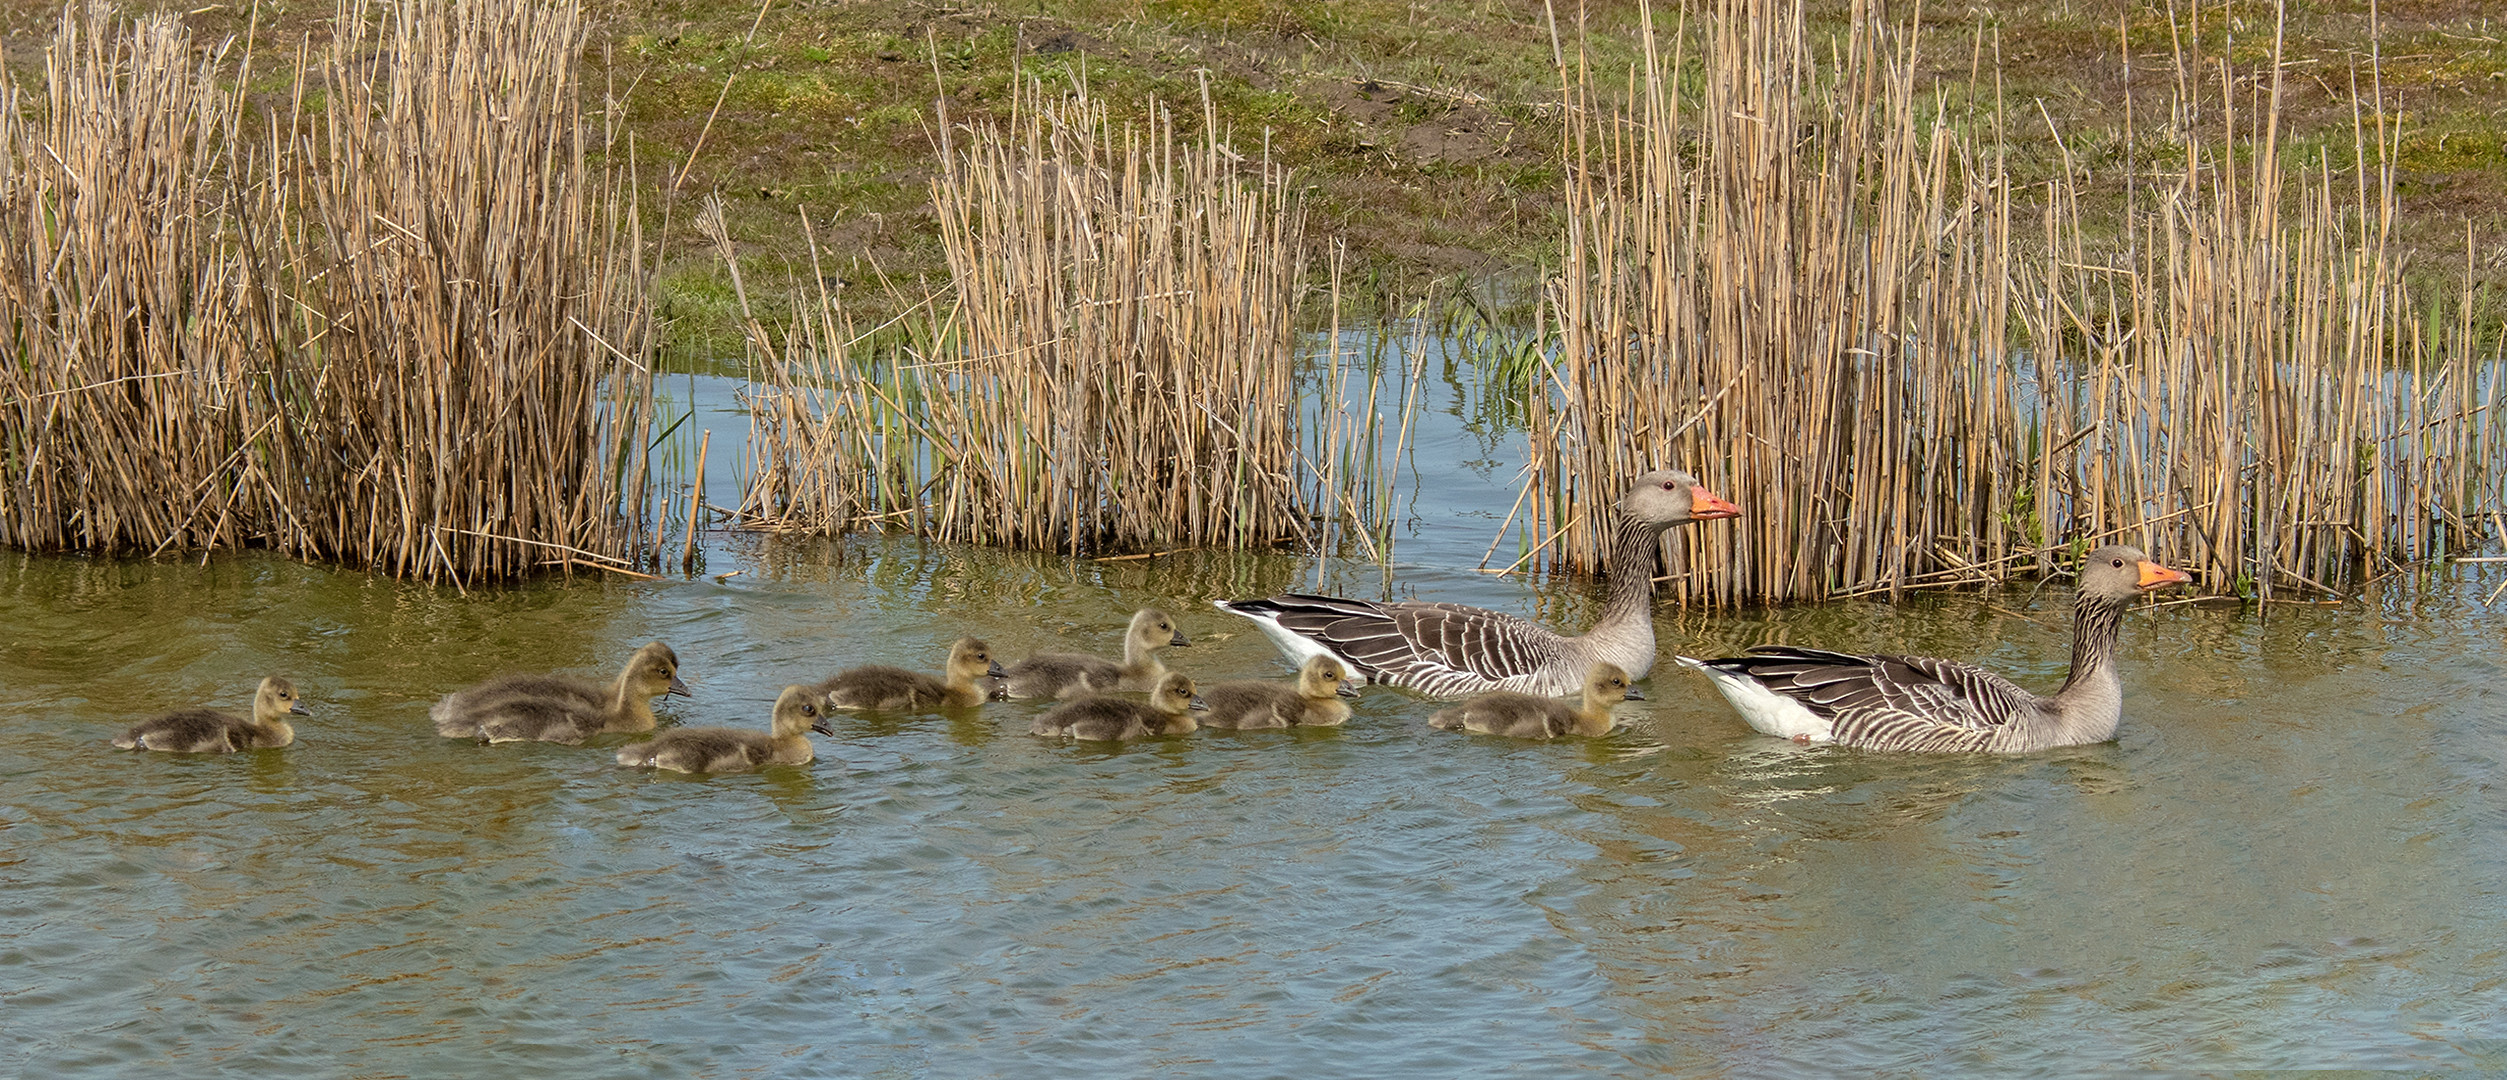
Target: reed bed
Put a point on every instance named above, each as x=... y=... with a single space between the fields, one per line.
x=398 y=328
x=1826 y=291
x=1113 y=368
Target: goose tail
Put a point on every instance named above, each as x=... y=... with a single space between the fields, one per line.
x=1297 y=647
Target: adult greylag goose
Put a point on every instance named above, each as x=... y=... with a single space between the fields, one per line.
x=1917 y=703
x=556 y=708
x=1449 y=650
x=1105 y=718
x=1523 y=716
x=1064 y=675
x=878 y=686
x=209 y=731
x=727 y=749
x=1313 y=699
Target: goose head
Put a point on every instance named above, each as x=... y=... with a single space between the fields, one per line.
x=797 y=713
x=1153 y=628
x=1323 y=677
x=653 y=671
x=2117 y=573
x=276 y=701
x=1179 y=700
x=1604 y=685
x=1607 y=683
x=1668 y=497
x=971 y=659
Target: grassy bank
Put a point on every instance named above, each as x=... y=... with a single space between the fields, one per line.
x=1426 y=134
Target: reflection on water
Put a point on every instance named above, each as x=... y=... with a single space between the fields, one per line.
x=2291 y=857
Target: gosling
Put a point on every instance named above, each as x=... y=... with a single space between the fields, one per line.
x=729 y=750
x=209 y=731
x=1105 y=718
x=1522 y=716
x=554 y=708
x=1068 y=675
x=877 y=686
x=1313 y=700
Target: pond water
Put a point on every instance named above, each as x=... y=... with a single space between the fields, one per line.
x=2291 y=857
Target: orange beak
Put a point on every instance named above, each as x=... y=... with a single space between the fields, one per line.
x=2155 y=576
x=1703 y=505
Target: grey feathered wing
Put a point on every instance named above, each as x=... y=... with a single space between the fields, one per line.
x=1890 y=702
x=1423 y=644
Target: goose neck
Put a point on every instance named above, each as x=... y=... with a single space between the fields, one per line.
x=794 y=750
x=1635 y=548
x=622 y=693
x=2095 y=623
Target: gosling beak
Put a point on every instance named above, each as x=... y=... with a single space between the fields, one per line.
x=1179 y=639
x=996 y=672
x=679 y=689
x=1346 y=689
x=1704 y=505
x=1635 y=694
x=299 y=709
x=1200 y=705
x=820 y=726
x=2155 y=576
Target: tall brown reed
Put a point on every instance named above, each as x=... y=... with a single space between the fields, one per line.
x=396 y=329
x=1112 y=368
x=1820 y=287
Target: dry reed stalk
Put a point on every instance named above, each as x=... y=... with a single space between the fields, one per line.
x=1114 y=366
x=1906 y=388
x=398 y=330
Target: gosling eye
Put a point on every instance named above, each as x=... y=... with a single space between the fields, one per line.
x=809 y=710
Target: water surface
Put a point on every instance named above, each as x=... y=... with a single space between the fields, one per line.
x=2291 y=856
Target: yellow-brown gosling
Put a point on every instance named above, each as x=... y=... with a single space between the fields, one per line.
x=1103 y=717
x=209 y=731
x=555 y=708
x=1313 y=699
x=1522 y=716
x=878 y=686
x=1065 y=675
x=726 y=749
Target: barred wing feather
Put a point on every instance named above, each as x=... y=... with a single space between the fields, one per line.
x=1433 y=647
x=1891 y=702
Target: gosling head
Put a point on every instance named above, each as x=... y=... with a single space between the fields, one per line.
x=654 y=670
x=2117 y=573
x=1609 y=683
x=1179 y=700
x=1323 y=677
x=1667 y=497
x=797 y=713
x=276 y=700
x=1176 y=694
x=1153 y=628
x=971 y=658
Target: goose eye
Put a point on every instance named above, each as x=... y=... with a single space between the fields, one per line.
x=2119 y=564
